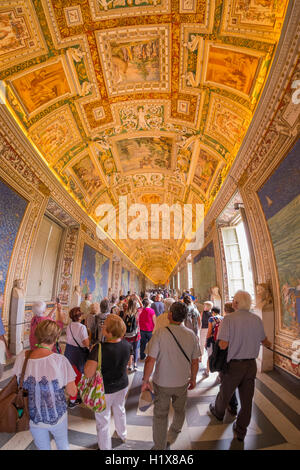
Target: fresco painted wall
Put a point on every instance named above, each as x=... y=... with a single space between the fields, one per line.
x=10 y=221
x=94 y=273
x=125 y=281
x=204 y=272
x=280 y=200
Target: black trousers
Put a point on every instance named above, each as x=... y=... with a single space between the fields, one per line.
x=241 y=375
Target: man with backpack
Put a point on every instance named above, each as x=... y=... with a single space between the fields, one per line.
x=193 y=319
x=100 y=319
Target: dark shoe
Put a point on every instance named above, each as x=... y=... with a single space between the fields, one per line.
x=213 y=412
x=73 y=404
x=232 y=411
x=239 y=438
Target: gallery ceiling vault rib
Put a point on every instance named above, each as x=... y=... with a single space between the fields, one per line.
x=148 y=99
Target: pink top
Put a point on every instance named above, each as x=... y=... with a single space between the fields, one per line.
x=146 y=319
x=34 y=323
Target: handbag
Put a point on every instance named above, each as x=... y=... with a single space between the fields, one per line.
x=218 y=359
x=91 y=389
x=85 y=351
x=179 y=346
x=14 y=410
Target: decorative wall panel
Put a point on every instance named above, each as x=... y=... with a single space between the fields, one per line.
x=12 y=210
x=204 y=272
x=125 y=281
x=280 y=199
x=94 y=273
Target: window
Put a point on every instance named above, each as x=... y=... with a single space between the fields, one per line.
x=237 y=260
x=44 y=262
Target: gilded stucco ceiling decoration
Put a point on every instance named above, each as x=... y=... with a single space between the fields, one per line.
x=145 y=98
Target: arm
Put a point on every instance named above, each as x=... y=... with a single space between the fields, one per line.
x=138 y=300
x=59 y=314
x=71 y=389
x=199 y=326
x=154 y=320
x=51 y=313
x=86 y=343
x=209 y=331
x=194 y=370
x=266 y=343
x=148 y=369
x=90 y=368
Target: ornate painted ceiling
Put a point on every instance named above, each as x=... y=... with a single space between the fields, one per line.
x=145 y=98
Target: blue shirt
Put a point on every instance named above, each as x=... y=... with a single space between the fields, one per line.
x=244 y=331
x=158 y=308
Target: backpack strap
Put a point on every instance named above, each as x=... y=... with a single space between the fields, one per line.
x=179 y=345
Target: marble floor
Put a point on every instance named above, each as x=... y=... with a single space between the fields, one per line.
x=275 y=423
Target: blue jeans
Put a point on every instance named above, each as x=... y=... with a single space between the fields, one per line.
x=59 y=431
x=145 y=337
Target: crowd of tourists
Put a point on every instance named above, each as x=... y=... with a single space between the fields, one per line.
x=171 y=333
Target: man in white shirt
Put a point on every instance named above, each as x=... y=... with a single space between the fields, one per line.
x=242 y=332
x=174 y=351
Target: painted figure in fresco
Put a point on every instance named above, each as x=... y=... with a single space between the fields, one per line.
x=142 y=124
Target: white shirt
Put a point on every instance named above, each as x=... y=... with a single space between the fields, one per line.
x=79 y=332
x=44 y=379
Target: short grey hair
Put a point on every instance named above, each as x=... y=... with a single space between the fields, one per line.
x=39 y=308
x=208 y=302
x=243 y=299
x=167 y=303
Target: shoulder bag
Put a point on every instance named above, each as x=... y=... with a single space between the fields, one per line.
x=218 y=359
x=85 y=351
x=179 y=345
x=14 y=411
x=92 y=389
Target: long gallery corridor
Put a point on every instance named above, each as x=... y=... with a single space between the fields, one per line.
x=275 y=423
x=149 y=187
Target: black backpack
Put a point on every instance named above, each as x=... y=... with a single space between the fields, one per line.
x=131 y=326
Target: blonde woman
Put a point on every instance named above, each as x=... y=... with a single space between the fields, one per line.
x=115 y=355
x=46 y=376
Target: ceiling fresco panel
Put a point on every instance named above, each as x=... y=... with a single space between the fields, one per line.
x=42 y=86
x=21 y=37
x=135 y=59
x=56 y=133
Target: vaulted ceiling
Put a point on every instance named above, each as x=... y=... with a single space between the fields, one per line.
x=148 y=99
